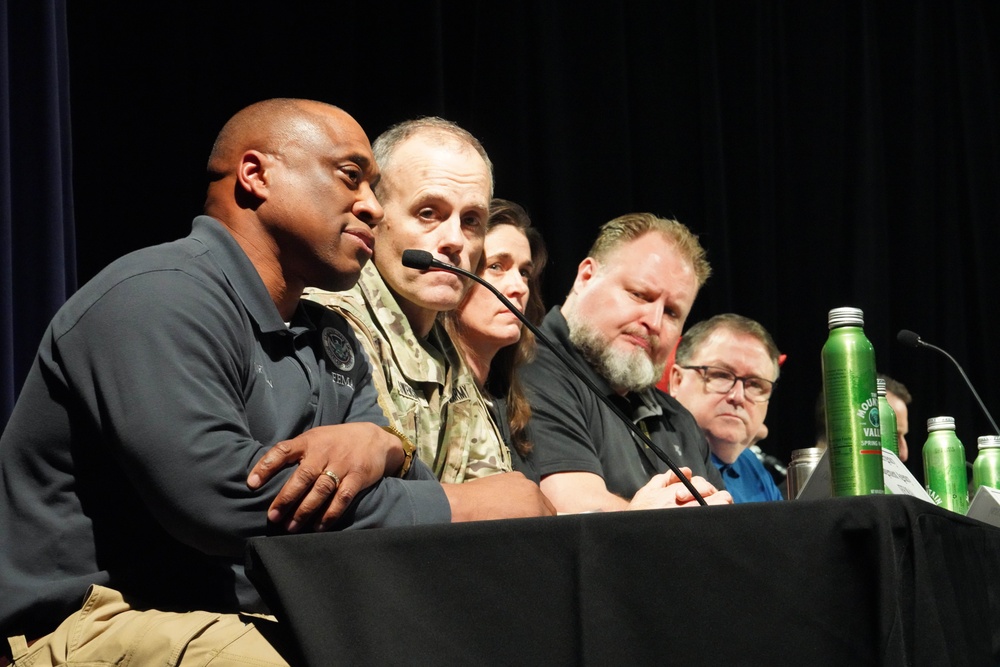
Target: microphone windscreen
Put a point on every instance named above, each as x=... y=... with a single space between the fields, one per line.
x=417 y=259
x=907 y=337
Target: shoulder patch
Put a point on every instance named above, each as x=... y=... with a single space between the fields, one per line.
x=338 y=349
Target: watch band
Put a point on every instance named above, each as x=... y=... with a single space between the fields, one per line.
x=409 y=449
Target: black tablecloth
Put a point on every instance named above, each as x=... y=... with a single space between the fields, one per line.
x=850 y=581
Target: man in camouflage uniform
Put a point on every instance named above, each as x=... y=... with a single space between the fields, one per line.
x=436 y=185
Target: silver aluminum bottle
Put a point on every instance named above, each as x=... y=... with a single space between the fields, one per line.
x=800 y=467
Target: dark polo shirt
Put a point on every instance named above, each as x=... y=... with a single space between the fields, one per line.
x=156 y=388
x=573 y=431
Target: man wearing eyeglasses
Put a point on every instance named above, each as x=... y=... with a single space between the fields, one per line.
x=724 y=374
x=620 y=321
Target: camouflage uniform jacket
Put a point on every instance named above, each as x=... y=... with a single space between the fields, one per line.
x=433 y=394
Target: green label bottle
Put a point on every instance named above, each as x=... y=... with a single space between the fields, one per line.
x=986 y=469
x=886 y=419
x=852 y=414
x=944 y=466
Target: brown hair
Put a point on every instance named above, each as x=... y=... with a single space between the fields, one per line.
x=502 y=378
x=894 y=386
x=696 y=335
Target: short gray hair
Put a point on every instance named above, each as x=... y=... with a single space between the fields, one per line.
x=444 y=131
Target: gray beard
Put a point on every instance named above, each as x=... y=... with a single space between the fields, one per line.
x=624 y=371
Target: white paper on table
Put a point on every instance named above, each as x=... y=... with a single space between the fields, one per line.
x=899 y=481
x=985 y=506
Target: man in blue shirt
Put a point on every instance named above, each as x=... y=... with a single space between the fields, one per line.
x=724 y=373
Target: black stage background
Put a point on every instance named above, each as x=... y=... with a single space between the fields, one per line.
x=827 y=153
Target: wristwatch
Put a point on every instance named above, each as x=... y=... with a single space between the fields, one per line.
x=409 y=449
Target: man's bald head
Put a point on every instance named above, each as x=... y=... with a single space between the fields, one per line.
x=293 y=181
x=266 y=126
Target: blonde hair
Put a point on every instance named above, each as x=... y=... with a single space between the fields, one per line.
x=626 y=228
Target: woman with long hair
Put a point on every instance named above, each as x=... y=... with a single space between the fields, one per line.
x=493 y=341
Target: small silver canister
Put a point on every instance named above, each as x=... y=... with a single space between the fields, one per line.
x=800 y=468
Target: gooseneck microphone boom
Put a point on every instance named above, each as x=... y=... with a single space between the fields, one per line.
x=907 y=337
x=424 y=261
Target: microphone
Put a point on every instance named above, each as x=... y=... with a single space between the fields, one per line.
x=424 y=261
x=768 y=461
x=907 y=337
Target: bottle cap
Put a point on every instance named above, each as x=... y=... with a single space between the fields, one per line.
x=988 y=441
x=880 y=386
x=845 y=317
x=807 y=454
x=940 y=424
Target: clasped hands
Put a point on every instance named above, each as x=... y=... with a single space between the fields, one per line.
x=333 y=465
x=360 y=454
x=667 y=490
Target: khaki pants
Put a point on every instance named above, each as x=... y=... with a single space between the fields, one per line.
x=106 y=631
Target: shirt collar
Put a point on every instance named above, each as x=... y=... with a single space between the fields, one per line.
x=643 y=404
x=420 y=359
x=725 y=469
x=240 y=272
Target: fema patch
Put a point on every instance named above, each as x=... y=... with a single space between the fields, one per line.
x=338 y=349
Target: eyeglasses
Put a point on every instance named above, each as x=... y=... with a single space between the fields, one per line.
x=721 y=381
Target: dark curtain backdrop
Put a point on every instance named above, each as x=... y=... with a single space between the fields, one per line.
x=828 y=153
x=37 y=235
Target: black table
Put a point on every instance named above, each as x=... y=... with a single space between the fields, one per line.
x=851 y=581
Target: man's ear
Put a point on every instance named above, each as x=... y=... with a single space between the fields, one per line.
x=252 y=175
x=584 y=272
x=676 y=375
